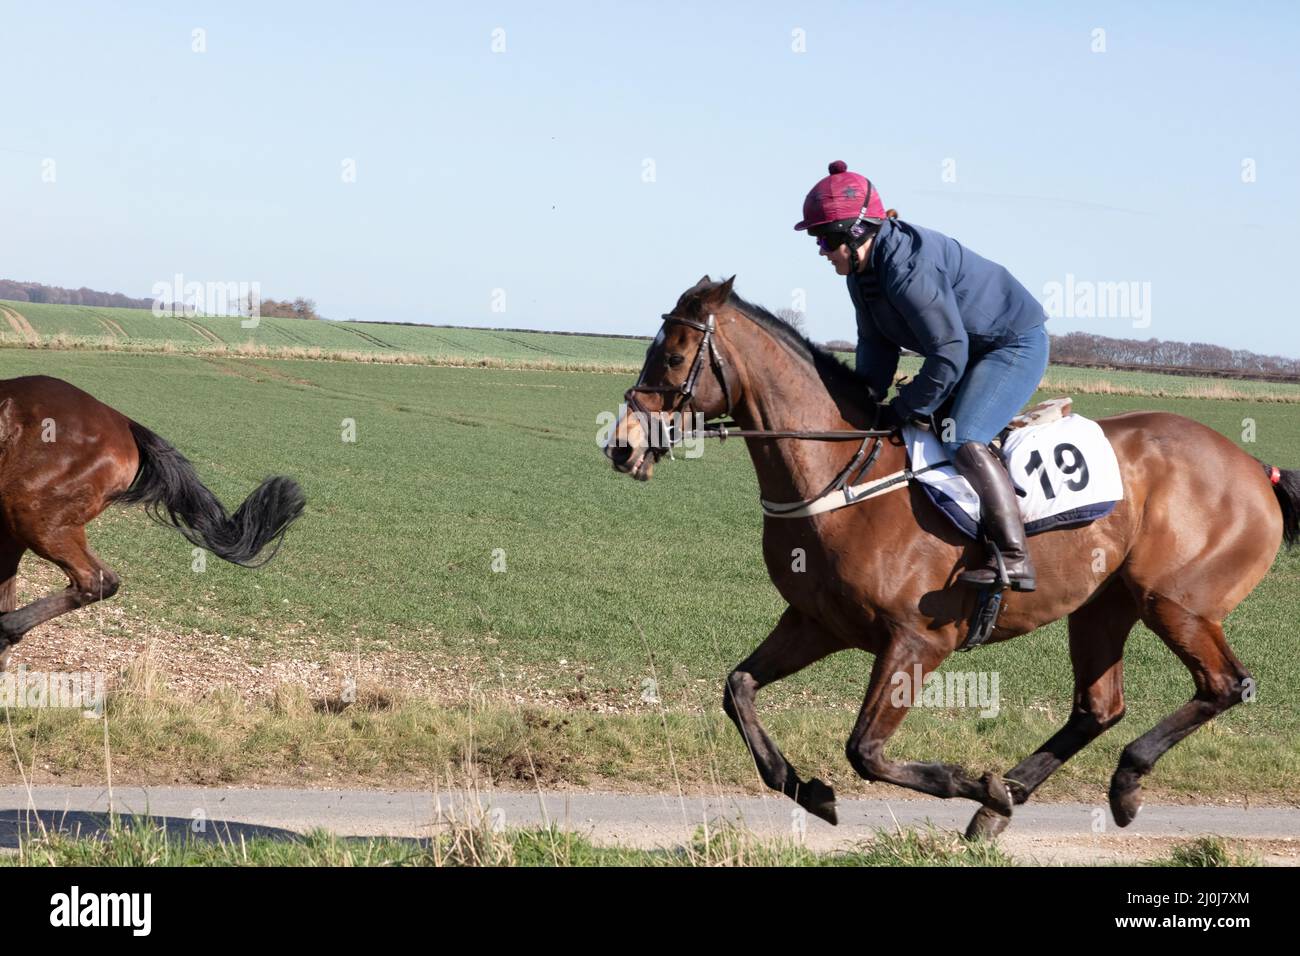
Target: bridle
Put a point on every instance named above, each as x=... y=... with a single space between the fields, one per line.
x=685 y=392
x=725 y=428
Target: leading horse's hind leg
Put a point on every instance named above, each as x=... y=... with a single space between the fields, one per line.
x=1220 y=682
x=90 y=580
x=1098 y=631
x=794 y=643
x=881 y=715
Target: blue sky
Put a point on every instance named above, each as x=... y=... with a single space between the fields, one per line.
x=525 y=170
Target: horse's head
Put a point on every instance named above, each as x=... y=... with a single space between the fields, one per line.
x=686 y=378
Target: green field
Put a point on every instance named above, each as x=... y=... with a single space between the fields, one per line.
x=88 y=328
x=126 y=328
x=608 y=583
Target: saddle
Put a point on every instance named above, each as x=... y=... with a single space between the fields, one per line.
x=1061 y=465
x=1049 y=410
x=1046 y=411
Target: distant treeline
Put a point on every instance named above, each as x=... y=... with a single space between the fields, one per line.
x=1085 y=350
x=299 y=308
x=1201 y=358
x=1083 y=347
x=55 y=295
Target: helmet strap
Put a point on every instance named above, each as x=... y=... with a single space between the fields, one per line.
x=863 y=228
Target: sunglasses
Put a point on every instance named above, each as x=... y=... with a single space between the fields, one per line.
x=829 y=242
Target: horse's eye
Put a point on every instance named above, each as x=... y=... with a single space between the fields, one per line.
x=675 y=360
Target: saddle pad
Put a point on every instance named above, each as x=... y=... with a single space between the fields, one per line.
x=1065 y=473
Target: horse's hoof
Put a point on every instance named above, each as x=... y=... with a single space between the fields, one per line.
x=996 y=796
x=6 y=651
x=986 y=824
x=1125 y=798
x=819 y=800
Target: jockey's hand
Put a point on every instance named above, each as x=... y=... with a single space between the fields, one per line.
x=887 y=417
x=894 y=416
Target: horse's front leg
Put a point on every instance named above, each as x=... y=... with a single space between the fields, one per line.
x=884 y=709
x=794 y=643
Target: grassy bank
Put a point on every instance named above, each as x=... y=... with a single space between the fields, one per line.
x=150 y=735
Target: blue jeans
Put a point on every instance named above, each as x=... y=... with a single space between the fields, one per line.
x=996 y=386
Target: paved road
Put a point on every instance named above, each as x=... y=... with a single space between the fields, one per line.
x=1064 y=832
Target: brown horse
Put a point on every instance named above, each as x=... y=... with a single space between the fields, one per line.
x=65 y=457
x=1199 y=526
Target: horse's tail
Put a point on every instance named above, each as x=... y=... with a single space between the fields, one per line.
x=168 y=485
x=1286 y=485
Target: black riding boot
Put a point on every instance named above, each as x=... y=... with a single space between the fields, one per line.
x=999 y=517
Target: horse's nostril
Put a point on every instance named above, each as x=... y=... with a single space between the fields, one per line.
x=618 y=454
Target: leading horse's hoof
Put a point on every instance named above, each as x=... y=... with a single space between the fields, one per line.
x=819 y=800
x=997 y=798
x=986 y=824
x=1125 y=797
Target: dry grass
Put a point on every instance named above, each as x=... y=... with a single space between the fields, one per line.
x=1065 y=383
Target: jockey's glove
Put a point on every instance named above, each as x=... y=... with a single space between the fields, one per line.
x=887 y=417
x=894 y=415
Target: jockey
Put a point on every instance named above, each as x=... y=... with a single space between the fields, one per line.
x=979 y=331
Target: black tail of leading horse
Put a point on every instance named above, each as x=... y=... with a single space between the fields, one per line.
x=1287 y=488
x=168 y=486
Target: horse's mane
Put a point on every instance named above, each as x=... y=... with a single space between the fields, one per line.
x=834 y=374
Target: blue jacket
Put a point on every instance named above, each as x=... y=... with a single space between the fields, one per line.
x=925 y=292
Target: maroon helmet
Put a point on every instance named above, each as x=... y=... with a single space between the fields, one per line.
x=841 y=196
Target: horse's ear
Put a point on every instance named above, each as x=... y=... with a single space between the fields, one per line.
x=696 y=294
x=721 y=293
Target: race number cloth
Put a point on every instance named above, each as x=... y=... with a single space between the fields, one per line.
x=1065 y=473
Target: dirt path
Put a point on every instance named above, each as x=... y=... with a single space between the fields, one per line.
x=205 y=333
x=1048 y=833
x=114 y=330
x=18 y=322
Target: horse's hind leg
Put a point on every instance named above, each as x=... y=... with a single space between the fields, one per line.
x=1098 y=632
x=794 y=643
x=89 y=579
x=10 y=556
x=1220 y=680
x=881 y=714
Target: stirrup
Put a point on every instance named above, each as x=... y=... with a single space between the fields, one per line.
x=998 y=579
x=987 y=607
